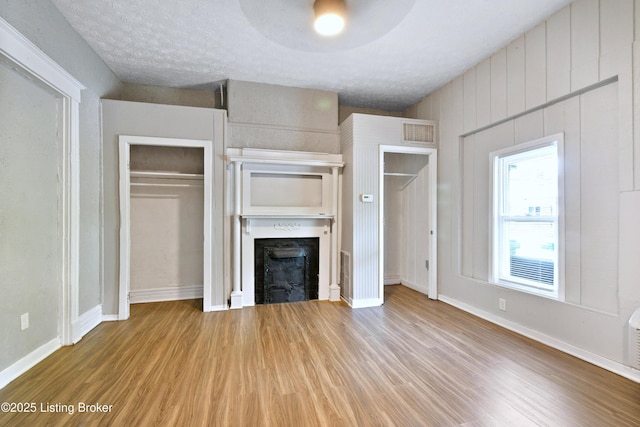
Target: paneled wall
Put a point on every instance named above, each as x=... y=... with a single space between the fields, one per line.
x=573 y=73
x=361 y=137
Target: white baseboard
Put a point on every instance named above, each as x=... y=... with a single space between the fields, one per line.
x=587 y=356
x=415 y=286
x=110 y=317
x=392 y=279
x=28 y=362
x=172 y=293
x=364 y=303
x=85 y=323
x=223 y=307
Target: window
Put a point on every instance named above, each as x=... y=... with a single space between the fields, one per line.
x=527 y=216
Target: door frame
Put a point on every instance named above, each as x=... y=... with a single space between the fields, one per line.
x=432 y=153
x=124 y=145
x=26 y=58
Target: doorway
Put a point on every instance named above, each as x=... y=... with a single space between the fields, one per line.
x=407 y=212
x=153 y=181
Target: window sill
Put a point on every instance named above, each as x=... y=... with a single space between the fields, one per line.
x=554 y=295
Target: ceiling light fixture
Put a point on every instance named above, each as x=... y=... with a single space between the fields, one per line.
x=330 y=16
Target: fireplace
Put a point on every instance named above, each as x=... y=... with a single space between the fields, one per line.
x=285 y=226
x=286 y=270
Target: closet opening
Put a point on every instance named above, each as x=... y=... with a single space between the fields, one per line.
x=408 y=218
x=165 y=220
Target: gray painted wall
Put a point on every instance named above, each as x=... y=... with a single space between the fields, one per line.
x=558 y=77
x=143 y=119
x=282 y=118
x=42 y=24
x=29 y=252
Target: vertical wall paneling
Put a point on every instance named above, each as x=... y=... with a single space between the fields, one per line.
x=559 y=54
x=516 y=76
x=499 y=85
x=449 y=182
x=529 y=127
x=629 y=238
x=599 y=233
x=585 y=43
x=636 y=111
x=467 y=178
x=469 y=111
x=483 y=92
x=372 y=137
x=616 y=58
x=565 y=117
x=535 y=66
x=616 y=35
x=492 y=139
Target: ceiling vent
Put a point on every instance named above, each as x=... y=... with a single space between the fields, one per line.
x=634 y=339
x=414 y=132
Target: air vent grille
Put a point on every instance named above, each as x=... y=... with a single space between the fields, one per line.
x=634 y=339
x=345 y=272
x=414 y=132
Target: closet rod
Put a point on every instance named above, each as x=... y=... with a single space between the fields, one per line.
x=151 y=184
x=166 y=175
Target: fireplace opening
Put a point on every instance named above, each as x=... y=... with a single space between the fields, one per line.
x=286 y=270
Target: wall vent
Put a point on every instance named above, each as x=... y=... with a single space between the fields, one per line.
x=414 y=132
x=345 y=272
x=634 y=339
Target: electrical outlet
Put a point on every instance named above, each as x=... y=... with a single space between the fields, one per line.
x=502 y=304
x=24 y=321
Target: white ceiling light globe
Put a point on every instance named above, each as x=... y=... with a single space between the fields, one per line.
x=329 y=24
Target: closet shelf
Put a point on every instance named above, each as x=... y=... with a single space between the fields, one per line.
x=166 y=175
x=407 y=178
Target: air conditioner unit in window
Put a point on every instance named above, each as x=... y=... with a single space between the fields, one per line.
x=634 y=340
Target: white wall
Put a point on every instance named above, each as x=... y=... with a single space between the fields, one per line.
x=573 y=73
x=166 y=224
x=361 y=137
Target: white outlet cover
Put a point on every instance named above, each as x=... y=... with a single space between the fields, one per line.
x=24 y=321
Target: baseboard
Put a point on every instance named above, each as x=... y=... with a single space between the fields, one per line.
x=110 y=317
x=172 y=293
x=85 y=323
x=415 y=286
x=223 y=307
x=392 y=279
x=365 y=303
x=28 y=362
x=587 y=356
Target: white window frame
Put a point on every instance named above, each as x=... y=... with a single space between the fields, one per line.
x=557 y=291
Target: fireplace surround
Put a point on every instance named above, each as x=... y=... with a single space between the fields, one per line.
x=284 y=195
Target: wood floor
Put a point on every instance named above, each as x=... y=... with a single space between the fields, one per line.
x=412 y=362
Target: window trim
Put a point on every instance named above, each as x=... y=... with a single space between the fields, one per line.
x=558 y=291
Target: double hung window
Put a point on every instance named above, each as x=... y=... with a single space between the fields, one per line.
x=527 y=216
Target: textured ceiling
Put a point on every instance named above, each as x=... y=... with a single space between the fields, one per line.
x=392 y=54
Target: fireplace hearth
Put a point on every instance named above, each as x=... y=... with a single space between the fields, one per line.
x=286 y=270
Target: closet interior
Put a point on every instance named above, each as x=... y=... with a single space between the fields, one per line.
x=166 y=223
x=406 y=220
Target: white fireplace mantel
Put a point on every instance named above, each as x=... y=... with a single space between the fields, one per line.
x=284 y=194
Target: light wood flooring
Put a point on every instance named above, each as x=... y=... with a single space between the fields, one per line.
x=411 y=362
